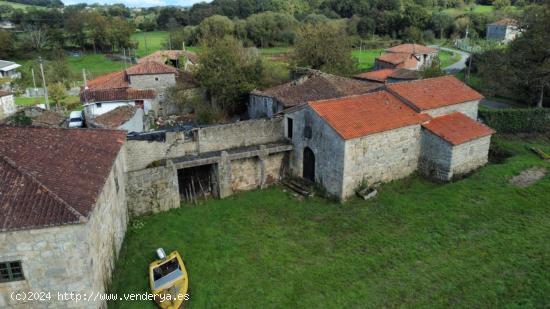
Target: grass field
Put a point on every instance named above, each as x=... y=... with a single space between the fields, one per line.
x=486 y=9
x=448 y=58
x=474 y=243
x=22 y=101
x=149 y=42
x=95 y=65
x=20 y=5
x=366 y=58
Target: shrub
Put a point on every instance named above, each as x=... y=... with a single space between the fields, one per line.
x=517 y=120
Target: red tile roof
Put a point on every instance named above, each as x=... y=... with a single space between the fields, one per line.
x=506 y=22
x=109 y=81
x=150 y=67
x=361 y=115
x=411 y=49
x=378 y=75
x=433 y=93
x=53 y=176
x=400 y=60
x=317 y=86
x=457 y=128
x=117 y=94
x=4 y=93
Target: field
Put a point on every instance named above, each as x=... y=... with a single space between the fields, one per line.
x=149 y=42
x=448 y=58
x=475 y=243
x=485 y=9
x=20 y=5
x=95 y=65
x=365 y=58
x=22 y=101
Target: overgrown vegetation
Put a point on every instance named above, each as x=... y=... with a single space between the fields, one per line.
x=475 y=243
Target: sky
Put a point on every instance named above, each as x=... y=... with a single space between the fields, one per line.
x=138 y=3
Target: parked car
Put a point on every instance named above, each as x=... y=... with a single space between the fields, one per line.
x=76 y=119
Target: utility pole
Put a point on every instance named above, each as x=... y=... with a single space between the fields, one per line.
x=84 y=78
x=170 y=41
x=124 y=51
x=145 y=39
x=44 y=82
x=33 y=80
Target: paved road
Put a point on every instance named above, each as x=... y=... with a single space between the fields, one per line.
x=457 y=66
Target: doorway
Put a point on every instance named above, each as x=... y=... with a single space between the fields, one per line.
x=309 y=164
x=197 y=182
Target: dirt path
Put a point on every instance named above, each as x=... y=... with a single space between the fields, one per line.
x=528 y=177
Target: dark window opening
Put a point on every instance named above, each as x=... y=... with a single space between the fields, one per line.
x=139 y=104
x=11 y=271
x=156 y=79
x=98 y=105
x=197 y=182
x=308 y=132
x=289 y=127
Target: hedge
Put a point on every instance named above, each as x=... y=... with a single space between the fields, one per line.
x=522 y=120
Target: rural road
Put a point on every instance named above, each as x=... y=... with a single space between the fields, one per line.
x=457 y=66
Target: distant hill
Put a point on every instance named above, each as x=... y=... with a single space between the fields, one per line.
x=42 y=3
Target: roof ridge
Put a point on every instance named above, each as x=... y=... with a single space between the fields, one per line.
x=21 y=170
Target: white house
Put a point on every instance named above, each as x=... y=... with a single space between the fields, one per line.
x=7 y=104
x=9 y=69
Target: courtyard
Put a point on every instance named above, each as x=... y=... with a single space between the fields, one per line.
x=476 y=242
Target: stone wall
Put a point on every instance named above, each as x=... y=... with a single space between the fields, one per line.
x=252 y=173
x=380 y=157
x=7 y=106
x=71 y=258
x=435 y=156
x=470 y=155
x=159 y=82
x=261 y=106
x=327 y=146
x=441 y=160
x=213 y=138
x=153 y=190
x=469 y=109
x=240 y=134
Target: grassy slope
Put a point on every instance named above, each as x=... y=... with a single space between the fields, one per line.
x=95 y=65
x=154 y=39
x=478 y=242
x=448 y=58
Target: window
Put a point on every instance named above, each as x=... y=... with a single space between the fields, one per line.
x=98 y=105
x=156 y=79
x=11 y=271
x=289 y=129
x=307 y=132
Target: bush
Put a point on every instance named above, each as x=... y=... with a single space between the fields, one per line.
x=517 y=120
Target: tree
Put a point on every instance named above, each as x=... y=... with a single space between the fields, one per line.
x=442 y=22
x=228 y=72
x=6 y=44
x=434 y=70
x=37 y=37
x=271 y=29
x=216 y=26
x=57 y=93
x=324 y=47
x=500 y=4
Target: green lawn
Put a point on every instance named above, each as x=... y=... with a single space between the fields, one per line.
x=149 y=42
x=95 y=65
x=478 y=242
x=22 y=6
x=486 y=9
x=448 y=58
x=22 y=101
x=365 y=58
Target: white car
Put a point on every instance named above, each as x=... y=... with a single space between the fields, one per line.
x=76 y=119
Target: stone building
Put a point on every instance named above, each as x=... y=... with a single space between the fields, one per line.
x=314 y=85
x=143 y=85
x=7 y=104
x=406 y=56
x=64 y=214
x=504 y=30
x=347 y=142
x=180 y=59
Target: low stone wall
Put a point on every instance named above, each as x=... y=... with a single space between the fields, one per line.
x=470 y=155
x=153 y=190
x=213 y=138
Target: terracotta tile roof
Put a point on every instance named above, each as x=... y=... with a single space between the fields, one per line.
x=405 y=74
x=400 y=60
x=117 y=94
x=411 y=49
x=318 y=86
x=433 y=93
x=506 y=22
x=150 y=67
x=161 y=56
x=378 y=75
x=116 y=117
x=4 y=93
x=109 y=81
x=457 y=128
x=361 y=115
x=53 y=176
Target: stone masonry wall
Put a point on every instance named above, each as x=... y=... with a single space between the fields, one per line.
x=470 y=155
x=327 y=146
x=469 y=109
x=247 y=174
x=153 y=190
x=71 y=258
x=380 y=157
x=435 y=156
x=240 y=134
x=213 y=138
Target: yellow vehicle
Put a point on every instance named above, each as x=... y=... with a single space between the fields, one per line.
x=169 y=280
